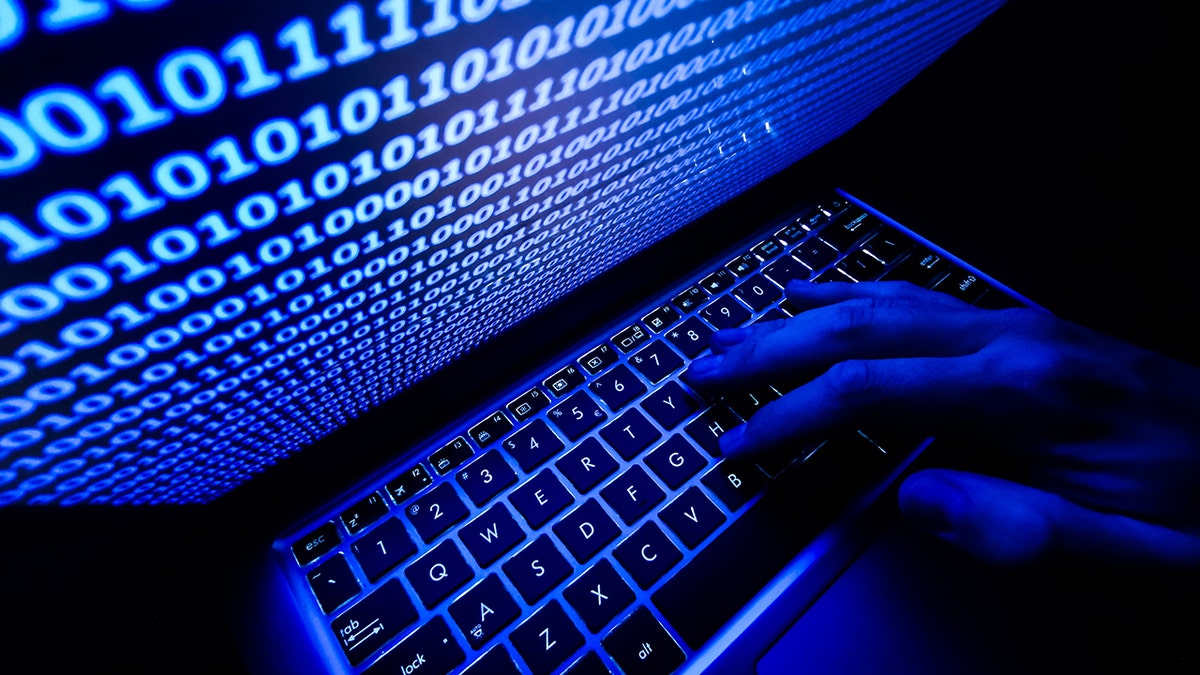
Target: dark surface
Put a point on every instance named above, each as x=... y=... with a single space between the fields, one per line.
x=1063 y=119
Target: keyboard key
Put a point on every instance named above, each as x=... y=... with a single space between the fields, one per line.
x=690 y=337
x=792 y=233
x=661 y=318
x=725 y=312
x=670 y=404
x=767 y=249
x=333 y=583
x=786 y=269
x=598 y=359
x=689 y=299
x=537 y=569
x=486 y=477
x=547 y=639
x=528 y=404
x=495 y=662
x=358 y=517
x=641 y=646
x=647 y=555
x=438 y=573
x=372 y=622
x=710 y=426
x=316 y=543
x=833 y=274
x=577 y=415
x=484 y=611
x=618 y=387
x=675 y=461
x=587 y=465
x=586 y=530
x=564 y=380
x=888 y=245
x=451 y=455
x=743 y=264
x=861 y=266
x=590 y=664
x=962 y=284
x=431 y=650
x=490 y=429
x=599 y=595
x=748 y=403
x=656 y=361
x=630 y=434
x=814 y=253
x=718 y=281
x=632 y=494
x=541 y=498
x=533 y=444
x=492 y=534
x=383 y=548
x=434 y=513
x=920 y=268
x=692 y=517
x=628 y=339
x=734 y=483
x=408 y=484
x=847 y=232
x=757 y=292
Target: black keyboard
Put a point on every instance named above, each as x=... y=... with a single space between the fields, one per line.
x=590 y=524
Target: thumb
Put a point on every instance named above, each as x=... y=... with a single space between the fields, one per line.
x=1004 y=522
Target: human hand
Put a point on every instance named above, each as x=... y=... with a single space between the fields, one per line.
x=1107 y=434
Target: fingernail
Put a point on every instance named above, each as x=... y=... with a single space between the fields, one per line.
x=729 y=337
x=733 y=441
x=705 y=366
x=932 y=503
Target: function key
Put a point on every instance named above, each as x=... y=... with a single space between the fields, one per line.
x=362 y=514
x=563 y=381
x=372 y=622
x=383 y=548
x=451 y=455
x=408 y=484
x=333 y=583
x=631 y=337
x=791 y=233
x=689 y=299
x=641 y=646
x=486 y=477
x=490 y=429
x=598 y=359
x=431 y=646
x=316 y=543
x=743 y=264
x=718 y=281
x=766 y=250
x=834 y=206
x=528 y=404
x=661 y=318
x=845 y=234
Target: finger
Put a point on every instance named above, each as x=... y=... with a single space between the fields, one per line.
x=794 y=350
x=923 y=395
x=806 y=295
x=1004 y=522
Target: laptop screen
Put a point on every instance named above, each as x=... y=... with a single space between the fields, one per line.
x=226 y=229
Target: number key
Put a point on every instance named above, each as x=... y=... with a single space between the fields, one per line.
x=656 y=361
x=486 y=477
x=435 y=512
x=618 y=387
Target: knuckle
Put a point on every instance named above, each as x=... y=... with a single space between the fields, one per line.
x=851 y=319
x=852 y=380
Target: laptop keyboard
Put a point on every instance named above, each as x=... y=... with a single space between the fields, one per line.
x=591 y=525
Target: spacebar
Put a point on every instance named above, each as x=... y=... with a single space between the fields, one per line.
x=702 y=596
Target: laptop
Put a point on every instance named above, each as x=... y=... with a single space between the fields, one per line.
x=395 y=301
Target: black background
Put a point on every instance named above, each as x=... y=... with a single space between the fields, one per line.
x=1048 y=148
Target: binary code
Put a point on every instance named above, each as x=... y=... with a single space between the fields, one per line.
x=229 y=235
